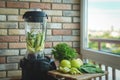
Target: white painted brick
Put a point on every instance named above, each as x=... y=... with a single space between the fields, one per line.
x=71 y=38
x=14 y=73
x=8 y=52
x=56 y=1
x=53 y=12
x=11 y=66
x=54 y=25
x=31 y=0
x=8 y=11
x=12 y=18
x=2 y=18
x=2 y=74
x=8 y=25
x=76 y=44
x=76 y=19
x=75 y=32
x=11 y=59
x=71 y=1
x=3 y=31
x=71 y=13
x=54 y=38
x=22 y=51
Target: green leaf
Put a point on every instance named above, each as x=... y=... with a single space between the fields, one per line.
x=90 y=68
x=63 y=51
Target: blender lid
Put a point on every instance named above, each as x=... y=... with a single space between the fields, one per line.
x=34 y=16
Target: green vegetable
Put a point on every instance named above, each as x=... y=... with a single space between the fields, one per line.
x=35 y=42
x=90 y=68
x=63 y=51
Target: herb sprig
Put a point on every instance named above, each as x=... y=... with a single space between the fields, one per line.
x=63 y=51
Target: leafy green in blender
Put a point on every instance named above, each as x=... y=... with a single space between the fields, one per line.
x=35 y=42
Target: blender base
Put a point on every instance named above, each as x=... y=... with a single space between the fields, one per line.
x=37 y=69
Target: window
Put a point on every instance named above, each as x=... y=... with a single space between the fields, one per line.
x=100 y=29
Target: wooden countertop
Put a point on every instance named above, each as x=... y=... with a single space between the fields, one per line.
x=57 y=74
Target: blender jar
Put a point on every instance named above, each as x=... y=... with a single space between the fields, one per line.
x=35 y=28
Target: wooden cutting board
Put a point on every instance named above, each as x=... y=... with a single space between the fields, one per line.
x=60 y=75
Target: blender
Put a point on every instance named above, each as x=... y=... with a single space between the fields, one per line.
x=35 y=64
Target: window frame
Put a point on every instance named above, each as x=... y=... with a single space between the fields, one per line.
x=97 y=56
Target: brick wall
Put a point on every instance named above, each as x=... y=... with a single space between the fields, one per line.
x=63 y=26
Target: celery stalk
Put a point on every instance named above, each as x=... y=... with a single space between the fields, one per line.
x=35 y=42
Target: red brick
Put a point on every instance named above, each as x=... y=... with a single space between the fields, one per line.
x=2 y=60
x=48 y=44
x=40 y=5
x=3 y=45
x=71 y=26
x=17 y=4
x=62 y=32
x=9 y=38
x=2 y=4
x=76 y=7
x=61 y=6
x=17 y=45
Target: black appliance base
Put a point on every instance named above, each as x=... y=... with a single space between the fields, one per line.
x=37 y=69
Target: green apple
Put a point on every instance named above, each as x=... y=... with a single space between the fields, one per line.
x=76 y=63
x=65 y=63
